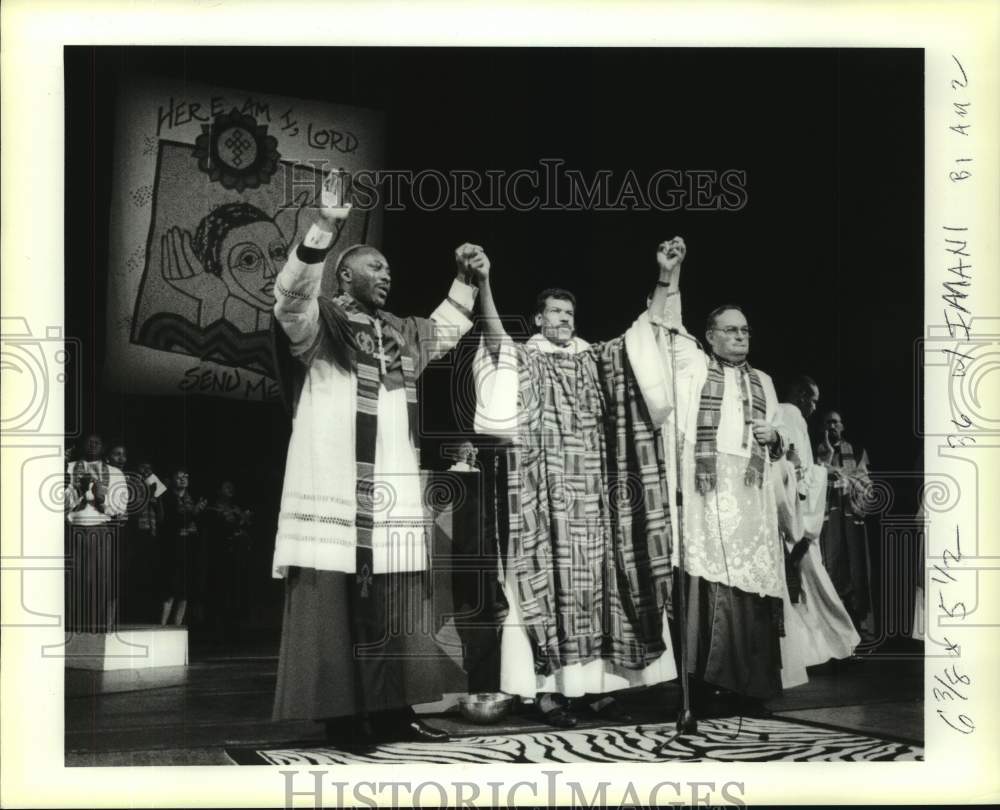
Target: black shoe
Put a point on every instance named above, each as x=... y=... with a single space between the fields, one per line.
x=752 y=707
x=709 y=703
x=354 y=735
x=559 y=717
x=612 y=713
x=419 y=731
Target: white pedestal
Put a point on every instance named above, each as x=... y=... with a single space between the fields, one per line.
x=128 y=647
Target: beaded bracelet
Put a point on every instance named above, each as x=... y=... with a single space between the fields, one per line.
x=291 y=294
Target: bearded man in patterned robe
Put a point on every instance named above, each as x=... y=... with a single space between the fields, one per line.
x=587 y=569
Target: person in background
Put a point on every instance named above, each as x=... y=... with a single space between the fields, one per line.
x=226 y=542
x=96 y=557
x=844 y=541
x=179 y=546
x=110 y=491
x=465 y=458
x=800 y=493
x=142 y=551
x=117 y=456
x=116 y=459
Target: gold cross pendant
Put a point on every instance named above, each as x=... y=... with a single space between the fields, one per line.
x=381 y=355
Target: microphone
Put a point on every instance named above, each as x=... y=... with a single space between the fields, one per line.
x=673 y=330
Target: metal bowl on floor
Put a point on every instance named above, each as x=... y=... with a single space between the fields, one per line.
x=485 y=707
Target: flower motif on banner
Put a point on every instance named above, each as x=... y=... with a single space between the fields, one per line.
x=236 y=151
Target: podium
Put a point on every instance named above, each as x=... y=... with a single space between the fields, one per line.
x=465 y=570
x=95 y=639
x=93 y=577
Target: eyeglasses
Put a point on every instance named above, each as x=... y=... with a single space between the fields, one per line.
x=733 y=331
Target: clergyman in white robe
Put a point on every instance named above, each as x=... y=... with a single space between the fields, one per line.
x=801 y=498
x=354 y=564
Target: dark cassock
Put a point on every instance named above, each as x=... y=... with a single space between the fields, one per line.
x=353 y=533
x=587 y=573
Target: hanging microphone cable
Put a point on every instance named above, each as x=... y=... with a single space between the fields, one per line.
x=732 y=607
x=686 y=721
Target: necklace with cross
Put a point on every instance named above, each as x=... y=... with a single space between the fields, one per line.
x=380 y=354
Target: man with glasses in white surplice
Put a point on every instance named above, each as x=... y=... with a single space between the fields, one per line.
x=732 y=555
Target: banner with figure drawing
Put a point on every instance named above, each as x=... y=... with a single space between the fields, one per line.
x=213 y=189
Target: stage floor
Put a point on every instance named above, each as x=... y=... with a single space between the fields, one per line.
x=190 y=715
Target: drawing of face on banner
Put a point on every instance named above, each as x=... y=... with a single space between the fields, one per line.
x=232 y=181
x=208 y=284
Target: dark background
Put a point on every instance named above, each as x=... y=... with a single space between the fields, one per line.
x=826 y=257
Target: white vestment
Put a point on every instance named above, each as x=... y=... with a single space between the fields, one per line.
x=829 y=630
x=316 y=525
x=747 y=554
x=731 y=533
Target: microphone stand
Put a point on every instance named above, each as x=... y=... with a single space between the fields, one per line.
x=686 y=721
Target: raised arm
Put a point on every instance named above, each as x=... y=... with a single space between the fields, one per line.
x=453 y=317
x=476 y=263
x=298 y=284
x=665 y=304
x=495 y=367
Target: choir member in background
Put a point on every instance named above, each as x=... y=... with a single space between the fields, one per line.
x=179 y=548
x=844 y=541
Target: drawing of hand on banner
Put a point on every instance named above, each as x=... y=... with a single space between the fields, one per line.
x=178 y=267
x=225 y=270
x=230 y=267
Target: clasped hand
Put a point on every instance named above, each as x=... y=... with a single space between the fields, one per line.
x=670 y=254
x=472 y=263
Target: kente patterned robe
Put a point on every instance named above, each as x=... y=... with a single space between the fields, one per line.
x=588 y=568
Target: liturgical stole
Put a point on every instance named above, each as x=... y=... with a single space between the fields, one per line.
x=379 y=360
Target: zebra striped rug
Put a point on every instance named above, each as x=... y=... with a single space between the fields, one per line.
x=758 y=740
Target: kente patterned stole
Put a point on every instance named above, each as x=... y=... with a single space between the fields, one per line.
x=380 y=360
x=847 y=457
x=709 y=417
x=844 y=452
